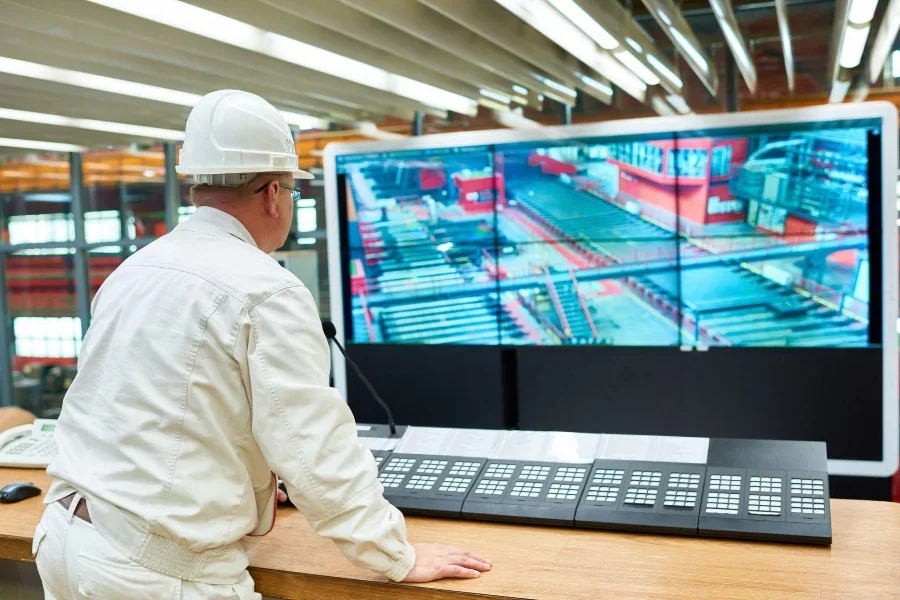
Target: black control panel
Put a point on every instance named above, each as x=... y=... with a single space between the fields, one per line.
x=747 y=496
x=745 y=489
x=642 y=496
x=527 y=492
x=429 y=485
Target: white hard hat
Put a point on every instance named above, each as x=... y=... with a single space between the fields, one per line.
x=232 y=135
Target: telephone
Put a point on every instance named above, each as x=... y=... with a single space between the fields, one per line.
x=29 y=446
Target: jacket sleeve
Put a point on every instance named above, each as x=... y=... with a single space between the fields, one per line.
x=308 y=435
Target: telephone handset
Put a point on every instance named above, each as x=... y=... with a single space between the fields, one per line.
x=29 y=446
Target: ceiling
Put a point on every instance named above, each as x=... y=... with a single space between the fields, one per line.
x=410 y=55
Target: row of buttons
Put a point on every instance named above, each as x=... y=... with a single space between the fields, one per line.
x=725 y=483
x=526 y=489
x=608 y=476
x=765 y=484
x=684 y=480
x=650 y=478
x=807 y=506
x=720 y=503
x=640 y=496
x=680 y=499
x=764 y=505
x=603 y=493
x=808 y=487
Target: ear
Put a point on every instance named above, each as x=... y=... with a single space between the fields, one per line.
x=270 y=198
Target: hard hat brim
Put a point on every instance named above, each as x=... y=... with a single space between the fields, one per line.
x=297 y=173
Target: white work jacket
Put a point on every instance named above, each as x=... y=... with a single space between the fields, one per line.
x=204 y=371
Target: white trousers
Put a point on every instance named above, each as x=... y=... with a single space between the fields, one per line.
x=76 y=563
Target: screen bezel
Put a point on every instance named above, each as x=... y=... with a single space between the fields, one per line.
x=884 y=111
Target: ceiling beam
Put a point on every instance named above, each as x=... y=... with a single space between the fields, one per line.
x=427 y=25
x=288 y=24
x=340 y=18
x=676 y=28
x=173 y=53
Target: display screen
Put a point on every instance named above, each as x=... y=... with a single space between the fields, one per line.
x=741 y=237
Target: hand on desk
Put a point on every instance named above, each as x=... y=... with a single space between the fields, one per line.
x=280 y=495
x=437 y=561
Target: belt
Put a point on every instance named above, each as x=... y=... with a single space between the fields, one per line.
x=81 y=511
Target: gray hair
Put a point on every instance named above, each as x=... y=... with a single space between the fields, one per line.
x=227 y=188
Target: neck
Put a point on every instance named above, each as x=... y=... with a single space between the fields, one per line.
x=244 y=212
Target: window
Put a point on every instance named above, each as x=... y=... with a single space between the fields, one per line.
x=35 y=229
x=106 y=226
x=47 y=337
x=307 y=216
x=721 y=161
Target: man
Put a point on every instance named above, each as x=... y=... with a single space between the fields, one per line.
x=204 y=370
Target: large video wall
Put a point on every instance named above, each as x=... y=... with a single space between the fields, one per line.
x=750 y=237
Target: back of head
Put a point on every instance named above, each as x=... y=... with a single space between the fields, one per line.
x=239 y=150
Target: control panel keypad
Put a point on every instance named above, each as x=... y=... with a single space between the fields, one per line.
x=499 y=471
x=603 y=494
x=400 y=465
x=465 y=468
x=680 y=499
x=640 y=496
x=431 y=466
x=391 y=480
x=684 y=481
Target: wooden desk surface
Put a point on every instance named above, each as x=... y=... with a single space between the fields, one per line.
x=544 y=563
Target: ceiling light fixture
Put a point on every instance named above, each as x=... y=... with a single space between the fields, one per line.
x=664 y=70
x=133 y=89
x=597 y=85
x=862 y=11
x=784 y=31
x=729 y=25
x=853 y=45
x=678 y=103
x=630 y=61
x=39 y=145
x=212 y=25
x=540 y=15
x=661 y=106
x=884 y=41
x=494 y=95
x=94 y=125
x=672 y=22
x=580 y=18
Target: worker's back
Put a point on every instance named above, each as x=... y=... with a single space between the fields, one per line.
x=158 y=420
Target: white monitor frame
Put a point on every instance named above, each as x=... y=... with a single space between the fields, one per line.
x=884 y=111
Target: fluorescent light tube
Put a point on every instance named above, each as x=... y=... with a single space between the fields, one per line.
x=586 y=23
x=597 y=85
x=853 y=45
x=39 y=145
x=100 y=83
x=862 y=11
x=107 y=126
x=664 y=70
x=689 y=48
x=629 y=60
x=206 y=23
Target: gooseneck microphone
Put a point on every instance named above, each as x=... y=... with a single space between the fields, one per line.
x=330 y=332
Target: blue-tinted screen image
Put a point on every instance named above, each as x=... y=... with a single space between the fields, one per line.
x=756 y=237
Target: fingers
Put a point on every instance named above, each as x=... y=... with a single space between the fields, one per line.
x=281 y=496
x=470 y=563
x=459 y=572
x=453 y=550
x=477 y=557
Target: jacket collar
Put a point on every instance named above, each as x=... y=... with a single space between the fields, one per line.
x=216 y=222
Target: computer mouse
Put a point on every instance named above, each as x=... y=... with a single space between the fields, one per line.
x=18 y=491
